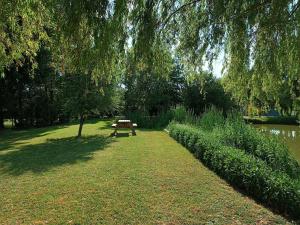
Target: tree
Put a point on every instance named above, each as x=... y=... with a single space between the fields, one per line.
x=152 y=84
x=82 y=96
x=22 y=28
x=260 y=39
x=29 y=95
x=205 y=91
x=88 y=41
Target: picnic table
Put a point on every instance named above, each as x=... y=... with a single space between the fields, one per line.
x=124 y=124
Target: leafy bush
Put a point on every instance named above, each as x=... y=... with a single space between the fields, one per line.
x=211 y=118
x=246 y=171
x=145 y=121
x=236 y=133
x=179 y=114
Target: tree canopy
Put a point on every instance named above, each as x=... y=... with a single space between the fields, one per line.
x=97 y=38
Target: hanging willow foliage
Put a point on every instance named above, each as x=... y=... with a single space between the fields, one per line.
x=260 y=38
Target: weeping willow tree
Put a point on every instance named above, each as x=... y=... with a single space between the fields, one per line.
x=259 y=38
x=88 y=39
x=85 y=37
x=22 y=28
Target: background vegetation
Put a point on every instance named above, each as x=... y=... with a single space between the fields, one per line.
x=150 y=55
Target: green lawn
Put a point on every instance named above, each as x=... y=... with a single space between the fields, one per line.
x=49 y=177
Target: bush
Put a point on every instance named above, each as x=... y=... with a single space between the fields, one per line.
x=145 y=121
x=248 y=172
x=236 y=133
x=211 y=118
x=181 y=115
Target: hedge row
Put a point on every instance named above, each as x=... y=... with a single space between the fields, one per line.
x=272 y=187
x=236 y=133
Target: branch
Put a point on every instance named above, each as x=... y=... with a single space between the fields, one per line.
x=296 y=7
x=243 y=13
x=178 y=10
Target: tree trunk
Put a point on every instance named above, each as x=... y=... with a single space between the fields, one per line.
x=1 y=119
x=80 y=125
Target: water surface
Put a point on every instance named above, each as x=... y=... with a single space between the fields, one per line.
x=289 y=133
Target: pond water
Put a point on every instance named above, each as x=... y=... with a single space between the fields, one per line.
x=289 y=133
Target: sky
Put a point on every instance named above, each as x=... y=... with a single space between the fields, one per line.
x=217 y=65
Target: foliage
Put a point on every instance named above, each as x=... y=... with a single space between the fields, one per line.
x=259 y=39
x=271 y=119
x=202 y=91
x=235 y=133
x=22 y=28
x=82 y=96
x=40 y=96
x=30 y=96
x=146 y=121
x=180 y=114
x=211 y=118
x=148 y=90
x=244 y=170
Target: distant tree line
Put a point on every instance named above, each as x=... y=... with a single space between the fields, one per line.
x=34 y=94
x=152 y=94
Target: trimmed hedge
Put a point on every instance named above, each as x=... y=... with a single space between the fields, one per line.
x=252 y=174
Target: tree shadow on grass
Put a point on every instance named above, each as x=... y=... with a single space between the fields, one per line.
x=9 y=137
x=107 y=124
x=53 y=153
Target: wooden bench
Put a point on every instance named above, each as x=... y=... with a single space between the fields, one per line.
x=127 y=124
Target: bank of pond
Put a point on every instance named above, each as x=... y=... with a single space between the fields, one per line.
x=290 y=134
x=261 y=165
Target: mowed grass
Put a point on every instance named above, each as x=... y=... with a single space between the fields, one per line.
x=49 y=177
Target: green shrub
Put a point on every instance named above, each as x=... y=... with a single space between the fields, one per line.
x=236 y=133
x=179 y=114
x=145 y=121
x=246 y=171
x=211 y=118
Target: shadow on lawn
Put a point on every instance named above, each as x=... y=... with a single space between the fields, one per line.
x=55 y=152
x=9 y=137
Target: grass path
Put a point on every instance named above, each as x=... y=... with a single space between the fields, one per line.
x=48 y=177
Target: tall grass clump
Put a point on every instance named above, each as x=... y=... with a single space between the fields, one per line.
x=182 y=115
x=254 y=175
x=236 y=133
x=211 y=118
x=179 y=114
